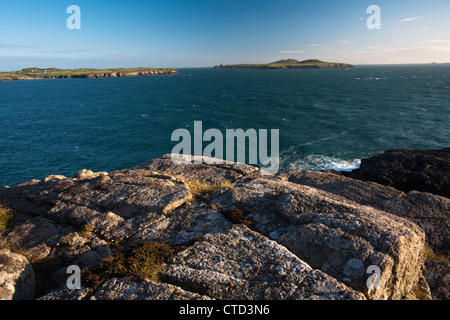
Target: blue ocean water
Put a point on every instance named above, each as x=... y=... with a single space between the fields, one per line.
x=327 y=118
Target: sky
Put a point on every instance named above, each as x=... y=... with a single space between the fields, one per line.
x=203 y=33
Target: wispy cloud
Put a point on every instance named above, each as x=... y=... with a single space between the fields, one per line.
x=330 y=45
x=62 y=51
x=345 y=42
x=15 y=46
x=437 y=41
x=293 y=51
x=412 y=19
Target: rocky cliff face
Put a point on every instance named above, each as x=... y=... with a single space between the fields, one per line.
x=232 y=234
x=407 y=170
x=116 y=74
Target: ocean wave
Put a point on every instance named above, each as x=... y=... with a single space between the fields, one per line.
x=320 y=162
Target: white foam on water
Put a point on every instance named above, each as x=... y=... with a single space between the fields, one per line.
x=320 y=162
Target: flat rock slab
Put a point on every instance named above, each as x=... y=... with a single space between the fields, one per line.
x=127 y=193
x=180 y=226
x=40 y=238
x=242 y=264
x=126 y=289
x=195 y=168
x=366 y=193
x=142 y=289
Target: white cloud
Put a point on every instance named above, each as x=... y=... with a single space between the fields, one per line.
x=345 y=42
x=293 y=51
x=437 y=41
x=15 y=46
x=423 y=53
x=412 y=19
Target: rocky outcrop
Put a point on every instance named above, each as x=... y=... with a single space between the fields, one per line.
x=238 y=234
x=408 y=170
x=17 y=280
x=243 y=264
x=331 y=233
x=428 y=211
x=425 y=176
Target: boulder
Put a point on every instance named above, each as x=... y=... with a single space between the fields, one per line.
x=17 y=280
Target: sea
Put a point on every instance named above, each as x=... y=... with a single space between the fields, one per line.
x=327 y=118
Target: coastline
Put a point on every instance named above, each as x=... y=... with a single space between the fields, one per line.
x=52 y=73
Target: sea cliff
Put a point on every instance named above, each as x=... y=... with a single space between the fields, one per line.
x=220 y=231
x=54 y=73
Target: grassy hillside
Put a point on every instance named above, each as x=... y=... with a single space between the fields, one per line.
x=51 y=73
x=289 y=64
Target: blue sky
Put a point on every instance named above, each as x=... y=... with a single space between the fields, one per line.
x=202 y=33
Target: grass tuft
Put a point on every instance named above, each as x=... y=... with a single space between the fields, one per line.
x=199 y=190
x=430 y=255
x=86 y=231
x=238 y=217
x=6 y=217
x=141 y=260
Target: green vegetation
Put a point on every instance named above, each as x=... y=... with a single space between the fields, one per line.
x=6 y=217
x=55 y=73
x=199 y=190
x=86 y=230
x=430 y=255
x=236 y=216
x=43 y=269
x=141 y=260
x=289 y=64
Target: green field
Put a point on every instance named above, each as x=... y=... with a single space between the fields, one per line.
x=288 y=64
x=55 y=73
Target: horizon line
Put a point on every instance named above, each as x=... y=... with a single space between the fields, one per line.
x=203 y=67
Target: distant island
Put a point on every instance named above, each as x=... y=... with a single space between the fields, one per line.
x=55 y=73
x=288 y=64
